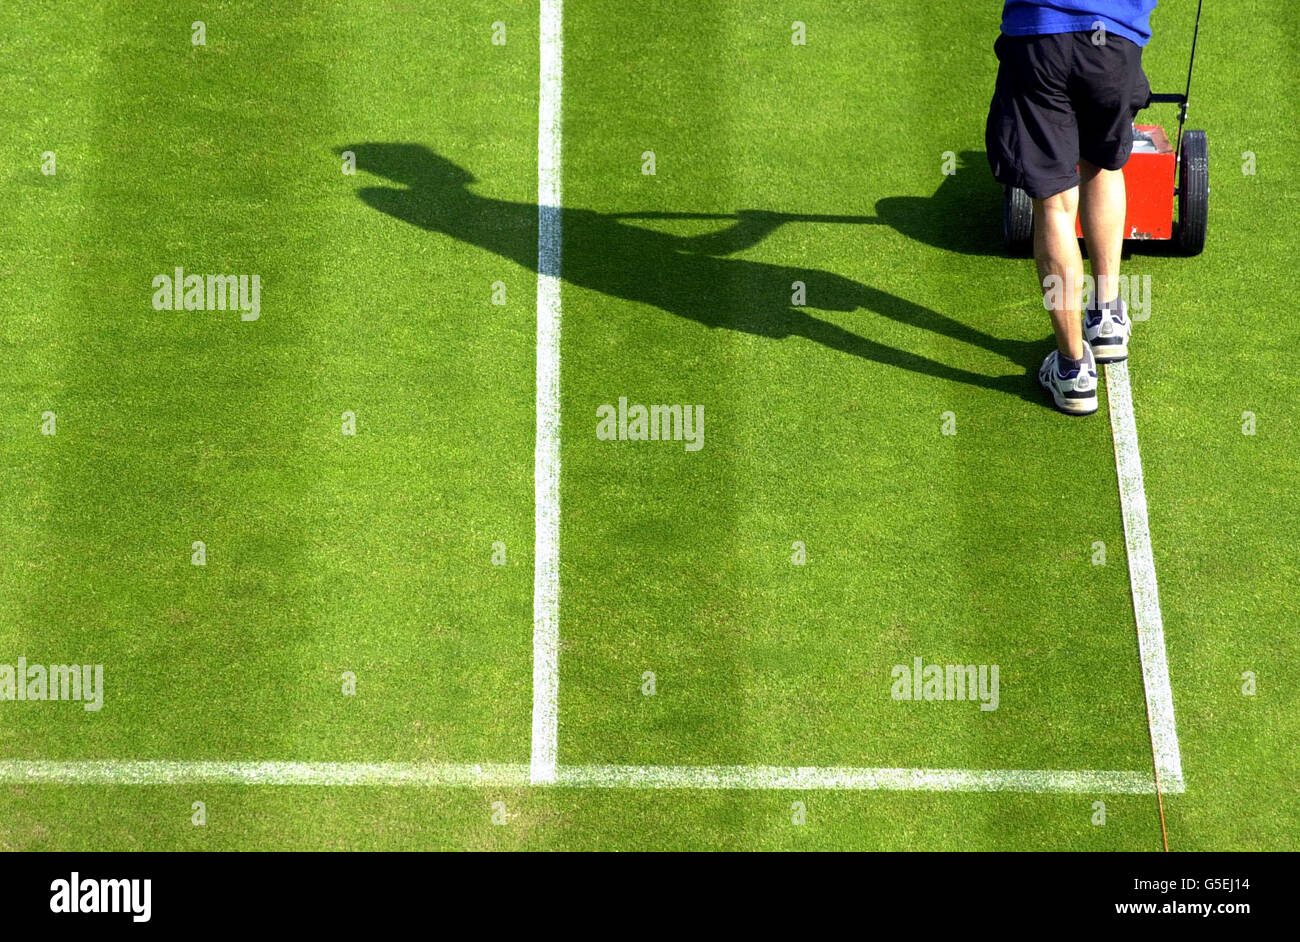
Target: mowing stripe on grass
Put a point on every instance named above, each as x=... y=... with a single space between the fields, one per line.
x=754 y=778
x=546 y=471
x=1142 y=576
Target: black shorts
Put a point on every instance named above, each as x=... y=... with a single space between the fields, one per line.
x=1060 y=97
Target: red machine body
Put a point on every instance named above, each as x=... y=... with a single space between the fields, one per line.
x=1149 y=179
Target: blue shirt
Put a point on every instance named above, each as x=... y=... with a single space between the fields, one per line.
x=1128 y=18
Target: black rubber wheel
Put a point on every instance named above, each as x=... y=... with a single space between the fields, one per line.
x=1193 y=192
x=1017 y=220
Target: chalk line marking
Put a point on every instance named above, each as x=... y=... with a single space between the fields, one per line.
x=546 y=457
x=177 y=772
x=420 y=775
x=1142 y=577
x=767 y=777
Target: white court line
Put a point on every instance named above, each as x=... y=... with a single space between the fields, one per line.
x=546 y=467
x=419 y=775
x=769 y=777
x=179 y=772
x=1142 y=576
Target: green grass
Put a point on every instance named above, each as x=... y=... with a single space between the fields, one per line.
x=372 y=553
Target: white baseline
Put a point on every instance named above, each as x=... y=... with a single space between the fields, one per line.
x=422 y=775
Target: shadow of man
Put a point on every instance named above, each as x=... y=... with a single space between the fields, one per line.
x=689 y=276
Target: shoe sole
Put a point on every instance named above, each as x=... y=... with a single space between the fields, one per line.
x=1110 y=352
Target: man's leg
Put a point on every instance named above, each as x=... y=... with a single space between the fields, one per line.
x=1102 y=206
x=1056 y=249
x=1069 y=373
x=1102 y=203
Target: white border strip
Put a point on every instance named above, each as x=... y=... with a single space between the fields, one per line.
x=765 y=778
x=546 y=467
x=1142 y=576
x=170 y=772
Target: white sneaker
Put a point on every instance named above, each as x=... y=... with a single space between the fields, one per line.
x=1107 y=332
x=1074 y=393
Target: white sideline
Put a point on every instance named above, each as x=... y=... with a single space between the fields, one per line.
x=420 y=775
x=546 y=459
x=1142 y=577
